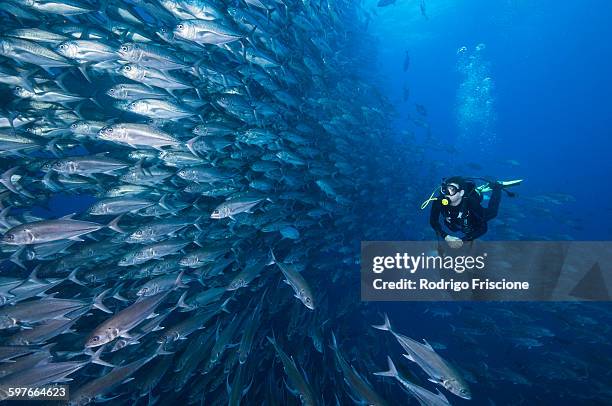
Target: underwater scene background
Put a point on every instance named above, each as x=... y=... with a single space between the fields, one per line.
x=185 y=185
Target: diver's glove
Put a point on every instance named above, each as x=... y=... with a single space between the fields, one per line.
x=453 y=242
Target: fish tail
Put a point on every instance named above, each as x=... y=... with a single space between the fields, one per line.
x=386 y=326
x=5 y=179
x=14 y=258
x=3 y=220
x=392 y=371
x=273 y=258
x=98 y=304
x=95 y=358
x=114 y=225
x=334 y=345
x=181 y=302
x=33 y=277
x=178 y=283
x=72 y=277
x=189 y=144
x=272 y=339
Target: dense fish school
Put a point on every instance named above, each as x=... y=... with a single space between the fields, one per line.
x=221 y=149
x=216 y=165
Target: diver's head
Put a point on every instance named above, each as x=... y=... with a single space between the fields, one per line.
x=453 y=191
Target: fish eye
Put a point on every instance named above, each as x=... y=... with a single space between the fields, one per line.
x=95 y=339
x=63 y=46
x=124 y=48
x=110 y=129
x=127 y=67
x=73 y=125
x=180 y=26
x=111 y=91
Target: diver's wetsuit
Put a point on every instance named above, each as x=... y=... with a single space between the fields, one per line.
x=468 y=217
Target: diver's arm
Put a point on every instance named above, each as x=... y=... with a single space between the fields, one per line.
x=434 y=219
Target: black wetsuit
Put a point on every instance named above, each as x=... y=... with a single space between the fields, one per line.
x=468 y=216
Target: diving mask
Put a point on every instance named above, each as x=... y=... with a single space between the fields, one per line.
x=449 y=189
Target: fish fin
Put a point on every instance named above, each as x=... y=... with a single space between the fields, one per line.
x=25 y=82
x=334 y=343
x=224 y=305
x=76 y=238
x=386 y=326
x=227 y=385
x=178 y=282
x=72 y=277
x=83 y=69
x=119 y=297
x=67 y=217
x=114 y=224
x=181 y=301
x=33 y=277
x=162 y=202
x=428 y=345
x=59 y=81
x=97 y=302
x=161 y=351
x=5 y=179
x=189 y=144
x=409 y=357
x=245 y=390
x=294 y=392
x=95 y=358
x=3 y=214
x=440 y=394
x=14 y=258
x=392 y=371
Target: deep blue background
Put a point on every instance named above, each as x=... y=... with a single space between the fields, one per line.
x=550 y=62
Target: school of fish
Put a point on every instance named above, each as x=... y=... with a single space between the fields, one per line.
x=216 y=165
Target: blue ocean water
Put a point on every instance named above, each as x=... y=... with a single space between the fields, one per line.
x=548 y=65
x=505 y=90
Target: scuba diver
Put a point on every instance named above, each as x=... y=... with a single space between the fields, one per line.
x=459 y=203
